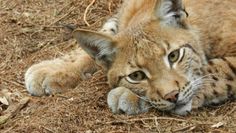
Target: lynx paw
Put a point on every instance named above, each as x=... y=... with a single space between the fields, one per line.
x=40 y=79
x=122 y=100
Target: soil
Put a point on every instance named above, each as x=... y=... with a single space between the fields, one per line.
x=32 y=31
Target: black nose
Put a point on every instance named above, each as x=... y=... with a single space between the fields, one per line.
x=172 y=96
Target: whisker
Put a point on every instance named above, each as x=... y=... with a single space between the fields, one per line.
x=205 y=76
x=201 y=83
x=205 y=81
x=201 y=80
x=152 y=104
x=145 y=99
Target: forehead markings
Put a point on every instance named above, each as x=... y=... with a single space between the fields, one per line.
x=147 y=48
x=166 y=48
x=182 y=53
x=166 y=45
x=190 y=47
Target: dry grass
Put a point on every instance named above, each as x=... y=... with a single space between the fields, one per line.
x=31 y=31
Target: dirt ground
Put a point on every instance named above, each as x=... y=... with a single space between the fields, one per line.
x=32 y=31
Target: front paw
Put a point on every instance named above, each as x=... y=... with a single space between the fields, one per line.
x=122 y=100
x=44 y=79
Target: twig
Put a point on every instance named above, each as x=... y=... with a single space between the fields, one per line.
x=9 y=129
x=143 y=119
x=221 y=131
x=69 y=4
x=86 y=12
x=12 y=82
x=45 y=26
x=98 y=84
x=13 y=110
x=99 y=20
x=157 y=125
x=140 y=130
x=49 y=130
x=162 y=118
x=183 y=129
x=62 y=96
x=65 y=15
x=97 y=79
x=230 y=112
x=46 y=43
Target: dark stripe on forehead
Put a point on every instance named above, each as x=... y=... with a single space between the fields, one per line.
x=167 y=44
x=190 y=47
x=231 y=66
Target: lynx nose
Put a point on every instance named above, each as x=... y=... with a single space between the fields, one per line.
x=172 y=96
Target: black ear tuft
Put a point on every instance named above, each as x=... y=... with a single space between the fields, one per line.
x=171 y=12
x=99 y=46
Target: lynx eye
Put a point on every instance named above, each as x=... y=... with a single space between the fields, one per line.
x=136 y=77
x=173 y=56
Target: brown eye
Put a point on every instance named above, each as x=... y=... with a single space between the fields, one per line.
x=173 y=56
x=136 y=77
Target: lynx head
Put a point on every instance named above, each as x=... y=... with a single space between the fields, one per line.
x=159 y=59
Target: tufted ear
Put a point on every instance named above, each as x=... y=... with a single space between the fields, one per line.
x=99 y=46
x=171 y=12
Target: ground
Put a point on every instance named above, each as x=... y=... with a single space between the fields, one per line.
x=32 y=31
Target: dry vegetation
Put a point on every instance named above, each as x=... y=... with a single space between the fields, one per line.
x=31 y=31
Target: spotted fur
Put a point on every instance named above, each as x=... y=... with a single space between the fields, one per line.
x=143 y=37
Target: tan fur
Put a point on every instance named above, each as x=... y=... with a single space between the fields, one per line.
x=55 y=76
x=205 y=75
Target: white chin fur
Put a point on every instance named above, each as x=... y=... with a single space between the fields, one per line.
x=183 y=110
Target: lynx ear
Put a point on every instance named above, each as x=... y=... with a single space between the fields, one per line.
x=100 y=47
x=171 y=12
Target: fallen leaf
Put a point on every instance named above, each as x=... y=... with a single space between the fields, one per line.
x=4 y=101
x=219 y=124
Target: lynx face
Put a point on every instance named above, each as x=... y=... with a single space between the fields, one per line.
x=162 y=67
x=158 y=59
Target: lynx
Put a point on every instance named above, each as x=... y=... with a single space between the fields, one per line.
x=171 y=55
